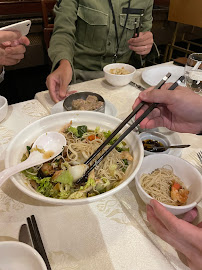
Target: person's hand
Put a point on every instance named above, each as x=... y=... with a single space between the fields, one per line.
x=179 y=110
x=183 y=236
x=12 y=48
x=142 y=45
x=7 y=37
x=58 y=81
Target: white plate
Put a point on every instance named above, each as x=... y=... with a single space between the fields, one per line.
x=153 y=75
x=110 y=109
x=19 y=256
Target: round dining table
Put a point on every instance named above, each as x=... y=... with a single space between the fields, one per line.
x=110 y=234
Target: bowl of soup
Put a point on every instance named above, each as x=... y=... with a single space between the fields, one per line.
x=55 y=181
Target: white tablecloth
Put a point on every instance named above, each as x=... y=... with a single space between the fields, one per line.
x=111 y=234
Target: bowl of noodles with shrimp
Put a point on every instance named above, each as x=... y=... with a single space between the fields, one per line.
x=55 y=181
x=171 y=180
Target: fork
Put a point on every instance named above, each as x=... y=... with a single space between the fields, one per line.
x=199 y=154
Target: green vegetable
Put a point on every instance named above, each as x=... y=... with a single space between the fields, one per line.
x=45 y=186
x=81 y=130
x=78 y=195
x=74 y=131
x=90 y=183
x=30 y=176
x=65 y=178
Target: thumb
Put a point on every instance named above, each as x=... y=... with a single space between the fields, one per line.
x=157 y=96
x=63 y=90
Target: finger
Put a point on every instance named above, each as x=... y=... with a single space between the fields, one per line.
x=9 y=36
x=24 y=41
x=176 y=226
x=70 y=93
x=62 y=90
x=51 y=85
x=2 y=52
x=183 y=244
x=10 y=62
x=199 y=225
x=14 y=56
x=156 y=96
x=20 y=49
x=138 y=43
x=142 y=50
x=157 y=225
x=190 y=215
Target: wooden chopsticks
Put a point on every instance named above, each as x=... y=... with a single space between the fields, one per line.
x=36 y=239
x=128 y=118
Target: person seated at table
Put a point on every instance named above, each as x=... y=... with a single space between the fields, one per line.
x=179 y=110
x=12 y=49
x=89 y=35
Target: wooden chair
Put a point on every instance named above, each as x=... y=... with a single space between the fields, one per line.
x=188 y=19
x=48 y=19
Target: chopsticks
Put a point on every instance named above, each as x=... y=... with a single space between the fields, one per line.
x=124 y=122
x=140 y=105
x=36 y=239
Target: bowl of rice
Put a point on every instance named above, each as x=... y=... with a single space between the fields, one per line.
x=119 y=74
x=171 y=180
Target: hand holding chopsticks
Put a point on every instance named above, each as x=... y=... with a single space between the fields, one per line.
x=140 y=105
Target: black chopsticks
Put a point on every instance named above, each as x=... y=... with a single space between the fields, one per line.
x=124 y=122
x=150 y=108
x=36 y=239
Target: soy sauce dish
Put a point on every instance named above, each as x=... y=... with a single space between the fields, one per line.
x=155 y=139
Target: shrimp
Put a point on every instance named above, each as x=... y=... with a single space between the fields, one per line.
x=179 y=194
x=126 y=155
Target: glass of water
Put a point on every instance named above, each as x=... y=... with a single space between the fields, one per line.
x=193 y=72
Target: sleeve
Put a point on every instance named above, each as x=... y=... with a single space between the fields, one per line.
x=62 y=42
x=2 y=75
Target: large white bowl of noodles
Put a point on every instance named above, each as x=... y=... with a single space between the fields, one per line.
x=54 y=122
x=187 y=173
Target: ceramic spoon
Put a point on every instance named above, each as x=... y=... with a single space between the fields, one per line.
x=46 y=147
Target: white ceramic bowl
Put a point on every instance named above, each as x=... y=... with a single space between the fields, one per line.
x=119 y=80
x=3 y=108
x=156 y=136
x=189 y=175
x=54 y=122
x=16 y=255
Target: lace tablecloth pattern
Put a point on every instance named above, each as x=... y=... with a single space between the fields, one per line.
x=111 y=234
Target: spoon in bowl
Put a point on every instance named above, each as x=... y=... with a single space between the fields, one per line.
x=46 y=147
x=153 y=148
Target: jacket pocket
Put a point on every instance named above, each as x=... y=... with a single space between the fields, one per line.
x=91 y=27
x=129 y=29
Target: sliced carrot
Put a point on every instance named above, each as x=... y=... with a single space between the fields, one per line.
x=92 y=137
x=176 y=185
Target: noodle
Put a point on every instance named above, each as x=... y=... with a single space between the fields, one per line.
x=159 y=183
x=51 y=179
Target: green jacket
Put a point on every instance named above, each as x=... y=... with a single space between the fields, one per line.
x=84 y=32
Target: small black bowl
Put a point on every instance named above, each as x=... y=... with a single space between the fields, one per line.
x=67 y=104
